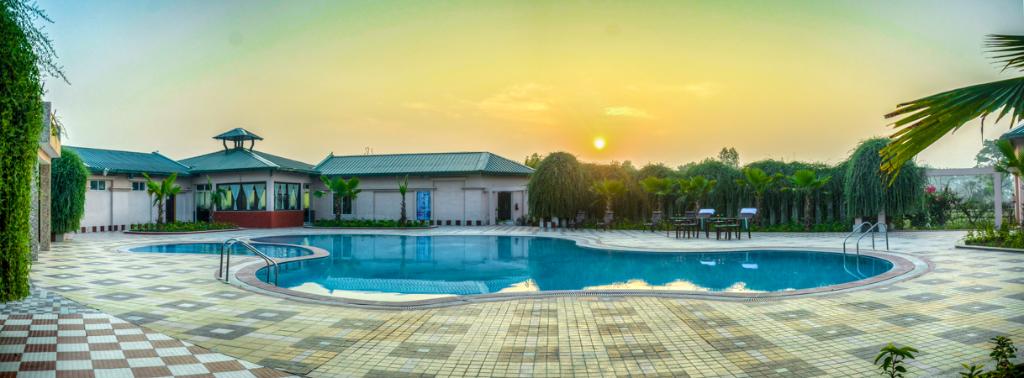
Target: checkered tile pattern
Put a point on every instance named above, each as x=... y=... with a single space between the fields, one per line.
x=949 y=313
x=47 y=335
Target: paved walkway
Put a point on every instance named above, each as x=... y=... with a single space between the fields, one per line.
x=949 y=314
x=47 y=335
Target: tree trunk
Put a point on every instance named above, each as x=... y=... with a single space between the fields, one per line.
x=337 y=207
x=401 y=219
x=160 y=211
x=757 y=205
x=808 y=212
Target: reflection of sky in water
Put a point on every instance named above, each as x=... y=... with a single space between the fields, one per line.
x=408 y=267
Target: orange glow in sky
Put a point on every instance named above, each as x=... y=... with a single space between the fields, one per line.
x=660 y=81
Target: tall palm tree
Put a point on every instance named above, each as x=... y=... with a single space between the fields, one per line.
x=699 y=188
x=342 y=189
x=659 y=187
x=1012 y=161
x=806 y=182
x=923 y=121
x=403 y=187
x=608 y=190
x=161 y=191
x=759 y=182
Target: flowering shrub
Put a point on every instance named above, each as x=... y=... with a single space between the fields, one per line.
x=369 y=223
x=183 y=227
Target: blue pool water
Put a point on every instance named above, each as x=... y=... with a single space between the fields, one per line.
x=461 y=265
x=275 y=251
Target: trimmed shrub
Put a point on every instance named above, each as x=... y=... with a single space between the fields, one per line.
x=69 y=177
x=21 y=118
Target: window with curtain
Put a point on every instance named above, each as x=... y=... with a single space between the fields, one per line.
x=286 y=196
x=246 y=196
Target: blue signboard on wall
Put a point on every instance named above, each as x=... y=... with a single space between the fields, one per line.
x=423 y=206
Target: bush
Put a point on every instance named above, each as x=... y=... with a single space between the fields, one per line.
x=69 y=177
x=182 y=226
x=989 y=236
x=21 y=112
x=369 y=223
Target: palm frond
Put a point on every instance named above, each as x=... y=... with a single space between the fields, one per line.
x=1009 y=50
x=924 y=121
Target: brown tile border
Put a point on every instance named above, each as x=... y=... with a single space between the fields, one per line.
x=904 y=267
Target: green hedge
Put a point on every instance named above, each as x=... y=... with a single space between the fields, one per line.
x=68 y=180
x=21 y=118
x=183 y=226
x=369 y=223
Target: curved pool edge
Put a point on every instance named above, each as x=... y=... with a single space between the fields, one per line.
x=905 y=267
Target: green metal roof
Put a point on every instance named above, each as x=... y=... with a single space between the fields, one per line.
x=115 y=161
x=1015 y=133
x=451 y=163
x=244 y=159
x=238 y=133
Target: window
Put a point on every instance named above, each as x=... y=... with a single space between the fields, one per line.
x=305 y=196
x=246 y=196
x=204 y=197
x=346 y=205
x=97 y=185
x=138 y=186
x=286 y=196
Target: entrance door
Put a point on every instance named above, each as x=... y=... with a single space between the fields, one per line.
x=169 y=210
x=504 y=206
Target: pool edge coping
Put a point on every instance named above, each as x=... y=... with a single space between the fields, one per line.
x=903 y=268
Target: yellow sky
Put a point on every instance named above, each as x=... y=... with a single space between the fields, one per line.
x=659 y=81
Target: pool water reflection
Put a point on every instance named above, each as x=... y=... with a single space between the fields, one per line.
x=466 y=265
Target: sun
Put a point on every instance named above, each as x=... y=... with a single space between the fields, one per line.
x=599 y=143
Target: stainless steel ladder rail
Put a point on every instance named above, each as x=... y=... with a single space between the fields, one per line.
x=856 y=230
x=225 y=260
x=878 y=227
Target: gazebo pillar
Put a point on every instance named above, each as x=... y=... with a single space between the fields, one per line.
x=997 y=197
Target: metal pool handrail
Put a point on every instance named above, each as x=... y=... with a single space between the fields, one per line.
x=878 y=227
x=225 y=263
x=856 y=230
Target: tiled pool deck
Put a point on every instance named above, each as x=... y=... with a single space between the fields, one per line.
x=949 y=313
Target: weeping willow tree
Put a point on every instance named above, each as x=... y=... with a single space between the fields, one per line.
x=558 y=187
x=866 y=189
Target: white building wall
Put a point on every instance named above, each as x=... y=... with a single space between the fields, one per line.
x=118 y=205
x=463 y=198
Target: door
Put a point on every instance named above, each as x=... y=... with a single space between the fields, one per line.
x=169 y=211
x=504 y=206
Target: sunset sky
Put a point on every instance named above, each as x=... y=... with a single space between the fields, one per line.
x=658 y=81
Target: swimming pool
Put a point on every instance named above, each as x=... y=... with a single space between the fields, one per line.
x=275 y=251
x=438 y=266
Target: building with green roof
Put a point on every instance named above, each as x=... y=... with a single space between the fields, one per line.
x=264 y=190
x=454 y=188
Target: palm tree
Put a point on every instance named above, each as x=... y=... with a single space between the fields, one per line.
x=659 y=187
x=217 y=197
x=1012 y=161
x=608 y=190
x=342 y=190
x=161 y=191
x=699 y=188
x=806 y=182
x=759 y=182
x=924 y=121
x=403 y=187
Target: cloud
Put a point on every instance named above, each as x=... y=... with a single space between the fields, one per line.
x=529 y=102
x=701 y=89
x=626 y=111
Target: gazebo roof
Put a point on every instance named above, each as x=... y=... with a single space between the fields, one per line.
x=238 y=134
x=1015 y=133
